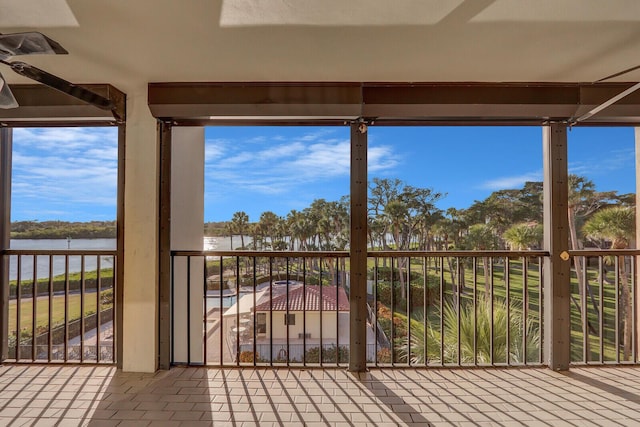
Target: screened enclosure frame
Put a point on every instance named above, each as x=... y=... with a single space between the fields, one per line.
x=362 y=104
x=43 y=107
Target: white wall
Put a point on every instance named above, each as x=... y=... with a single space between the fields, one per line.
x=312 y=326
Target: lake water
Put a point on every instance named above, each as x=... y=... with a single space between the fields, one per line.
x=209 y=243
x=42 y=262
x=224 y=243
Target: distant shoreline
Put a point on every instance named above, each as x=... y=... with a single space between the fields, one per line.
x=38 y=230
x=42 y=230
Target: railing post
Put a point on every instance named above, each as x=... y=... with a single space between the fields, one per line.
x=557 y=267
x=5 y=230
x=358 y=250
x=164 y=243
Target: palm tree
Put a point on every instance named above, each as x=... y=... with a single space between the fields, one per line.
x=240 y=221
x=229 y=227
x=481 y=237
x=500 y=317
x=268 y=224
x=617 y=225
x=523 y=236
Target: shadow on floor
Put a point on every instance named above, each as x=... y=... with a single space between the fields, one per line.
x=101 y=396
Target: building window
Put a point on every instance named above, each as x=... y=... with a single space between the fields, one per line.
x=261 y=320
x=289 y=319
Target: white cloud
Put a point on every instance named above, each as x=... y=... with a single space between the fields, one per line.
x=605 y=163
x=215 y=149
x=579 y=168
x=58 y=170
x=382 y=158
x=64 y=139
x=279 y=165
x=510 y=182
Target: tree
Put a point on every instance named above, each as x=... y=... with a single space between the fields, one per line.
x=504 y=208
x=381 y=192
x=240 y=221
x=583 y=200
x=523 y=236
x=403 y=210
x=229 y=227
x=268 y=227
x=617 y=225
x=481 y=237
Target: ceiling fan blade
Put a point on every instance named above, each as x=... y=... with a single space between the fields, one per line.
x=7 y=100
x=62 y=85
x=31 y=43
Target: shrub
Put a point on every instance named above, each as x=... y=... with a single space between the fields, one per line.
x=417 y=294
x=384 y=355
x=248 y=357
x=328 y=354
x=490 y=317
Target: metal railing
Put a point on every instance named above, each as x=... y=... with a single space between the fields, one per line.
x=259 y=308
x=425 y=308
x=604 y=306
x=61 y=306
x=458 y=308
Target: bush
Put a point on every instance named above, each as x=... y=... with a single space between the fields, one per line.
x=248 y=357
x=417 y=293
x=384 y=355
x=90 y=283
x=107 y=297
x=328 y=354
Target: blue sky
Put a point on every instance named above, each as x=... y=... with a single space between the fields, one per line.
x=70 y=174
x=279 y=169
x=67 y=174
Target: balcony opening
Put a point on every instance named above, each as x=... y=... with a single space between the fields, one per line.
x=602 y=223
x=455 y=236
x=62 y=255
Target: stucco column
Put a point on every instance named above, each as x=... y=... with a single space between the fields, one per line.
x=140 y=286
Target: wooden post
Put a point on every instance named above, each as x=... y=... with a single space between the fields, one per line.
x=164 y=243
x=557 y=266
x=636 y=283
x=119 y=262
x=358 y=250
x=5 y=233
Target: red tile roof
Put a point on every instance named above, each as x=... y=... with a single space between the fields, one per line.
x=297 y=294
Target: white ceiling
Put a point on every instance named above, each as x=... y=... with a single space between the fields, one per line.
x=129 y=43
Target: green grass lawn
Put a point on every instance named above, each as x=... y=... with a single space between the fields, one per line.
x=58 y=303
x=516 y=293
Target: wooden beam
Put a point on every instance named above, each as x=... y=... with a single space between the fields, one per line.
x=43 y=106
x=228 y=103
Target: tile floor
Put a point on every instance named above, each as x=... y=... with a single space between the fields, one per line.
x=102 y=396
